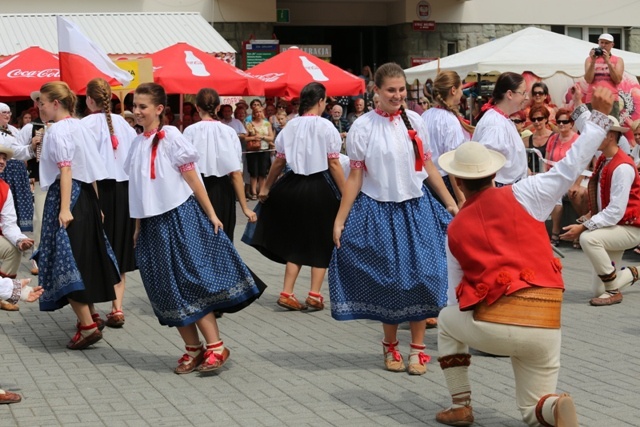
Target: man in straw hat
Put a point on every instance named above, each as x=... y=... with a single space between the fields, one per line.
x=12 y=241
x=613 y=223
x=509 y=285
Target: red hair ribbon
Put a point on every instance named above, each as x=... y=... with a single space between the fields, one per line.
x=154 y=153
x=114 y=142
x=417 y=145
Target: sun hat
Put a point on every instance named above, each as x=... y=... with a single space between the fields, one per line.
x=35 y=95
x=616 y=126
x=471 y=160
x=606 y=36
x=128 y=114
x=6 y=150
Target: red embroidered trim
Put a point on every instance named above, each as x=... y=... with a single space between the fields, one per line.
x=357 y=164
x=499 y=111
x=280 y=155
x=187 y=167
x=333 y=155
x=427 y=156
x=66 y=163
x=391 y=116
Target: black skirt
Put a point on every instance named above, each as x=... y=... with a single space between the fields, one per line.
x=296 y=222
x=223 y=198
x=89 y=248
x=118 y=226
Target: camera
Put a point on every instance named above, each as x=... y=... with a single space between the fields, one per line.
x=598 y=51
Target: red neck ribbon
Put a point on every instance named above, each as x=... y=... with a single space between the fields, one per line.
x=154 y=149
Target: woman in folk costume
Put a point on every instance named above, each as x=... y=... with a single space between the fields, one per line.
x=389 y=263
x=189 y=269
x=15 y=174
x=77 y=264
x=220 y=161
x=114 y=136
x=296 y=218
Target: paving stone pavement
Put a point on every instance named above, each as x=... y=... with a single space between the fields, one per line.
x=297 y=369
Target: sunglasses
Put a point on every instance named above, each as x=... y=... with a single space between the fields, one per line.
x=517 y=121
x=563 y=122
x=282 y=106
x=537 y=119
x=424 y=102
x=539 y=93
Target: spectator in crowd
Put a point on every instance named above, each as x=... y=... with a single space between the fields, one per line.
x=540 y=97
x=358 y=106
x=539 y=117
x=341 y=124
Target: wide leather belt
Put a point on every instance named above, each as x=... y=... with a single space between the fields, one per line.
x=533 y=307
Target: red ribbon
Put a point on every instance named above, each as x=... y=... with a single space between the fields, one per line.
x=418 y=149
x=114 y=142
x=154 y=150
x=389 y=115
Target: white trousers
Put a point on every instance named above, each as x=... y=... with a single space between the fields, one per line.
x=534 y=352
x=604 y=246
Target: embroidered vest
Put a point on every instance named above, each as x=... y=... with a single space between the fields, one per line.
x=501 y=249
x=602 y=175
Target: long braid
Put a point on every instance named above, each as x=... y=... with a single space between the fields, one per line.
x=106 y=106
x=211 y=111
x=407 y=123
x=156 y=138
x=455 y=111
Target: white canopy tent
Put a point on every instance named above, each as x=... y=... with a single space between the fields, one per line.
x=557 y=59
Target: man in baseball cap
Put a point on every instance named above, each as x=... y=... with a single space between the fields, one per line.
x=601 y=65
x=507 y=281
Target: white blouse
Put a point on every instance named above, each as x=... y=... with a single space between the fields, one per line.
x=500 y=134
x=218 y=147
x=68 y=143
x=445 y=133
x=381 y=146
x=113 y=159
x=307 y=142
x=20 y=151
x=150 y=197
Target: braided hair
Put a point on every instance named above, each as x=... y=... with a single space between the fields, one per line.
x=310 y=95
x=158 y=97
x=99 y=90
x=506 y=82
x=208 y=101
x=445 y=81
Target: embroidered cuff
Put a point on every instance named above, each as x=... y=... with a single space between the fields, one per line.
x=590 y=224
x=427 y=156
x=65 y=164
x=601 y=120
x=578 y=111
x=187 y=167
x=280 y=155
x=333 y=156
x=356 y=164
x=15 y=295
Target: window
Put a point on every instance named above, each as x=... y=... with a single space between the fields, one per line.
x=591 y=34
x=452 y=48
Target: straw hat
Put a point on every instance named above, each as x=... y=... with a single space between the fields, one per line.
x=471 y=160
x=616 y=126
x=6 y=150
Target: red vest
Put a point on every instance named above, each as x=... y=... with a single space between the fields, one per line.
x=632 y=213
x=4 y=191
x=501 y=249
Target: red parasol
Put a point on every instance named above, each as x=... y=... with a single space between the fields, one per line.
x=182 y=68
x=288 y=72
x=26 y=71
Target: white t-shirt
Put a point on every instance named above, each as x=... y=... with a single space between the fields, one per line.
x=307 y=142
x=150 y=197
x=113 y=159
x=218 y=147
x=236 y=125
x=445 y=133
x=498 y=133
x=382 y=146
x=68 y=143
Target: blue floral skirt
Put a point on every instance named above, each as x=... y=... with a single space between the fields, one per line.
x=76 y=262
x=189 y=271
x=391 y=265
x=16 y=175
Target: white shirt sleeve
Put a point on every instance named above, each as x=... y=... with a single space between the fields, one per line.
x=539 y=193
x=621 y=182
x=454 y=276
x=6 y=288
x=8 y=221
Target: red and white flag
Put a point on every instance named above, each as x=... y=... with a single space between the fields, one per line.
x=82 y=60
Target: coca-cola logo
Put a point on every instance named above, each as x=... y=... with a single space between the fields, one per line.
x=270 y=77
x=46 y=73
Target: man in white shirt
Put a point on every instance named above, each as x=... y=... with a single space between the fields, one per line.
x=613 y=223
x=12 y=241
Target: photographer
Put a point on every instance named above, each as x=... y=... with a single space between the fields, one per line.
x=601 y=66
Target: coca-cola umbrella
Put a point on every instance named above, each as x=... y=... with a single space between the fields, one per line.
x=182 y=68
x=288 y=72
x=27 y=70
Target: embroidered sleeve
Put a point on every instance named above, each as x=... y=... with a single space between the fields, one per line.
x=578 y=111
x=63 y=164
x=280 y=155
x=187 y=167
x=357 y=164
x=17 y=291
x=590 y=224
x=601 y=120
x=427 y=156
x=333 y=155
